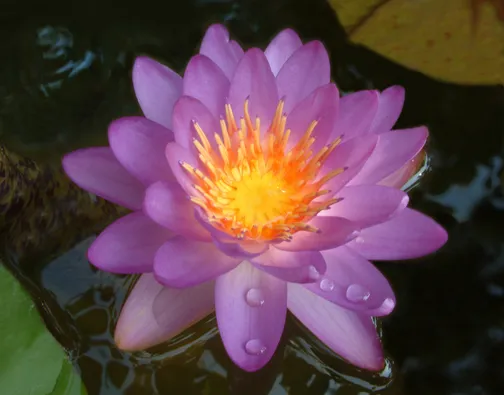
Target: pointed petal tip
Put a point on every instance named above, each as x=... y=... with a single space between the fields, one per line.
x=254 y=51
x=142 y=65
x=396 y=90
x=290 y=32
x=124 y=343
x=252 y=364
x=373 y=361
x=373 y=365
x=141 y=61
x=73 y=160
x=442 y=236
x=438 y=236
x=283 y=45
x=92 y=256
x=131 y=337
x=116 y=123
x=421 y=130
x=117 y=126
x=218 y=28
x=216 y=44
x=385 y=309
x=66 y=163
x=315 y=45
x=317 y=48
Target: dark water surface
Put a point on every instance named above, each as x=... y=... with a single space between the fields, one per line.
x=65 y=74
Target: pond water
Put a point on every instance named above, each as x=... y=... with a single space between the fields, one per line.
x=66 y=74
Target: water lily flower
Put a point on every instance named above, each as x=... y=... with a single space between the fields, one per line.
x=254 y=189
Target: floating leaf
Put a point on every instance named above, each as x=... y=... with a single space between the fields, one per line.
x=32 y=360
x=353 y=12
x=459 y=41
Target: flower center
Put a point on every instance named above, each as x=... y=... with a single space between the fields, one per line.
x=256 y=188
x=259 y=198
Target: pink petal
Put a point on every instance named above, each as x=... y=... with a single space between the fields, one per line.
x=168 y=205
x=154 y=314
x=394 y=150
x=333 y=232
x=350 y=156
x=299 y=267
x=389 y=109
x=187 y=111
x=156 y=88
x=321 y=106
x=408 y=235
x=182 y=263
x=307 y=69
x=236 y=49
x=176 y=155
x=251 y=307
x=281 y=48
x=356 y=113
x=351 y=335
x=205 y=81
x=227 y=243
x=254 y=80
x=400 y=177
x=217 y=234
x=217 y=47
x=139 y=144
x=236 y=249
x=352 y=282
x=98 y=171
x=368 y=205
x=128 y=245
x=386 y=308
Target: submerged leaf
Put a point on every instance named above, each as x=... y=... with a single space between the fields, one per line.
x=41 y=210
x=32 y=360
x=459 y=41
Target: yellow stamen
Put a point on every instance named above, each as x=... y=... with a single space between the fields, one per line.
x=251 y=186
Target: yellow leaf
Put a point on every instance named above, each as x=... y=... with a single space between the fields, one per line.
x=436 y=37
x=352 y=12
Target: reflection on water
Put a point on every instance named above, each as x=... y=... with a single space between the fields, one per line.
x=67 y=77
x=463 y=199
x=57 y=42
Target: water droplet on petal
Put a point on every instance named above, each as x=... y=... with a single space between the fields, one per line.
x=326 y=285
x=359 y=239
x=313 y=273
x=255 y=297
x=357 y=293
x=255 y=347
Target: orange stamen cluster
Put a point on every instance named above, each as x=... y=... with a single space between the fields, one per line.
x=257 y=188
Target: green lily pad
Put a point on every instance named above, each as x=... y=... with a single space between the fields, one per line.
x=32 y=362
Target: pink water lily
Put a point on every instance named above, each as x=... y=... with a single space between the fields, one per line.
x=255 y=189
